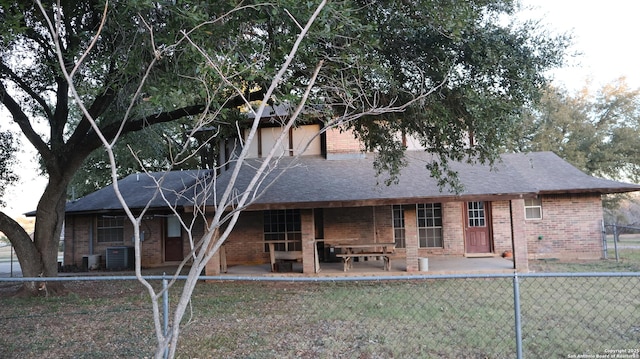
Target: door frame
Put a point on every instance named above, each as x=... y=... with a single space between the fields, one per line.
x=165 y=237
x=488 y=229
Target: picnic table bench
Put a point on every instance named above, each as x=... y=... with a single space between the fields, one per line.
x=277 y=256
x=362 y=250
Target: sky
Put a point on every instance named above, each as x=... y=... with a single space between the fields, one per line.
x=604 y=34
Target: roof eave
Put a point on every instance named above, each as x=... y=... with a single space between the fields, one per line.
x=389 y=201
x=600 y=191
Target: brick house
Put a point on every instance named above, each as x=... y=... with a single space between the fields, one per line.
x=535 y=205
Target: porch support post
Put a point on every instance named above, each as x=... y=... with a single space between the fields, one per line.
x=308 y=241
x=411 y=238
x=213 y=265
x=519 y=236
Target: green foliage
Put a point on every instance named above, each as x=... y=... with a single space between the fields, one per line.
x=488 y=73
x=157 y=148
x=373 y=54
x=596 y=132
x=8 y=147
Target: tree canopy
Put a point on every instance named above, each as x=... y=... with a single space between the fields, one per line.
x=144 y=69
x=8 y=148
x=595 y=131
x=486 y=70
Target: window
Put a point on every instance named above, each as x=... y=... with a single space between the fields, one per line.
x=174 y=227
x=283 y=226
x=430 y=225
x=398 y=226
x=533 y=208
x=110 y=229
x=476 y=214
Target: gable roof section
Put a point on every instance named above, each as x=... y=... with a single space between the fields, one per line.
x=312 y=181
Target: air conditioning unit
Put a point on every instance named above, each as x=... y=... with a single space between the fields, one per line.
x=120 y=258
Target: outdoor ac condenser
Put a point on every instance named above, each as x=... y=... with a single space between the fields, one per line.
x=120 y=258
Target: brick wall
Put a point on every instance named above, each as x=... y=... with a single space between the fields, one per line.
x=452 y=231
x=520 y=250
x=570 y=228
x=151 y=254
x=359 y=224
x=342 y=142
x=501 y=226
x=78 y=231
x=76 y=239
x=245 y=243
x=411 y=237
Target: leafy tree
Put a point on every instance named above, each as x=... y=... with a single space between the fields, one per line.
x=8 y=148
x=143 y=71
x=596 y=132
x=150 y=150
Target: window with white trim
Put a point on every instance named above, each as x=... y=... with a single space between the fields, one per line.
x=398 y=226
x=533 y=208
x=110 y=230
x=429 y=217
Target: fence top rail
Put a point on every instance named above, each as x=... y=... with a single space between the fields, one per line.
x=622 y=226
x=323 y=279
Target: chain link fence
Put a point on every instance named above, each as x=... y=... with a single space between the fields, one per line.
x=537 y=315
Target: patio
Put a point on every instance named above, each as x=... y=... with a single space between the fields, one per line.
x=436 y=265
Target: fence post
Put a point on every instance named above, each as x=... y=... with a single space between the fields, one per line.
x=604 y=241
x=516 y=310
x=165 y=311
x=615 y=241
x=11 y=271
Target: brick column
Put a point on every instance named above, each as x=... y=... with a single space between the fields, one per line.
x=308 y=241
x=213 y=265
x=411 y=238
x=520 y=250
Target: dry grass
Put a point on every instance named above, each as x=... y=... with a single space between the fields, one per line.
x=462 y=318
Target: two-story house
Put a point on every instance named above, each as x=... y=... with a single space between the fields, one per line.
x=534 y=205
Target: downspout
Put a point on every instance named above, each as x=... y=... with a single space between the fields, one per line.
x=513 y=244
x=375 y=229
x=73 y=241
x=91 y=237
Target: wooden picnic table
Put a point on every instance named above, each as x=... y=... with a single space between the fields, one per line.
x=361 y=250
x=281 y=255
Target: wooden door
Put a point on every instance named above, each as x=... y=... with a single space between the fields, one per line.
x=173 y=240
x=478 y=231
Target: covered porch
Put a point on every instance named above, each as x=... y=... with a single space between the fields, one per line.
x=436 y=265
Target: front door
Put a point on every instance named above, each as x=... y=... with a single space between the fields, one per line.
x=478 y=232
x=173 y=240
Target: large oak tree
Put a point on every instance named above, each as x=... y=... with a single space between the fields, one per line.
x=374 y=52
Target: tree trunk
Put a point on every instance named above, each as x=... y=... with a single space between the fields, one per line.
x=25 y=249
x=39 y=257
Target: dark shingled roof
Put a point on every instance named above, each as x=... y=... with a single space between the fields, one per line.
x=140 y=189
x=312 y=181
